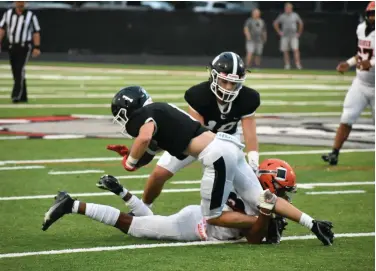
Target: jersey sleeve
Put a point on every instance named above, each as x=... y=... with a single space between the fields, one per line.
x=2 y=22
x=298 y=19
x=251 y=103
x=36 y=26
x=278 y=19
x=193 y=97
x=247 y=22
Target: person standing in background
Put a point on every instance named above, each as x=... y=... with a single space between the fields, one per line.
x=255 y=34
x=289 y=34
x=23 y=32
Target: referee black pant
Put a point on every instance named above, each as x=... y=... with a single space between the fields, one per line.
x=19 y=55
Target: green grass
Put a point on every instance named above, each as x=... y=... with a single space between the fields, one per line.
x=21 y=220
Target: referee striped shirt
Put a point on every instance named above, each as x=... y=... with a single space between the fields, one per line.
x=19 y=28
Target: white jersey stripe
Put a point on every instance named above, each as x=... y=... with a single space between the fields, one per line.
x=234 y=63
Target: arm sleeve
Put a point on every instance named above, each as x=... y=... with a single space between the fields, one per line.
x=192 y=98
x=2 y=22
x=36 y=26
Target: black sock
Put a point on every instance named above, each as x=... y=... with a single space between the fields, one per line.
x=336 y=152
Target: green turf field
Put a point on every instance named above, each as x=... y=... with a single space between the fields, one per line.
x=74 y=89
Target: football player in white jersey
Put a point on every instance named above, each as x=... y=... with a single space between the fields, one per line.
x=362 y=91
x=189 y=224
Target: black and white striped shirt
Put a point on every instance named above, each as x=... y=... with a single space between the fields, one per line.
x=19 y=28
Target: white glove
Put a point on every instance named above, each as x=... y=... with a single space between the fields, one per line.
x=267 y=200
x=253 y=160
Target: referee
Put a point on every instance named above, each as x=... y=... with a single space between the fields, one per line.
x=22 y=28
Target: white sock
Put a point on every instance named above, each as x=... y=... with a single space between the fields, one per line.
x=138 y=207
x=102 y=213
x=76 y=203
x=306 y=221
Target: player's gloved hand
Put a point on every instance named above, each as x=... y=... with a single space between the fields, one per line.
x=267 y=200
x=128 y=164
x=343 y=67
x=364 y=65
x=253 y=160
x=122 y=150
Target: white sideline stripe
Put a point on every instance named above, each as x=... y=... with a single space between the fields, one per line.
x=287 y=114
x=101 y=159
x=168 y=96
x=180 y=244
x=97 y=194
x=176 y=72
x=183 y=190
x=17 y=168
x=300 y=185
x=336 y=192
x=75 y=172
x=133 y=176
x=81 y=105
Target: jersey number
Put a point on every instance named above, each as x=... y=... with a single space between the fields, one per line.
x=364 y=54
x=212 y=125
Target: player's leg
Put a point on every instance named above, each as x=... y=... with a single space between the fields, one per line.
x=219 y=160
x=108 y=215
x=166 y=167
x=354 y=104
x=295 y=49
x=284 y=47
x=249 y=49
x=110 y=183
x=186 y=225
x=258 y=53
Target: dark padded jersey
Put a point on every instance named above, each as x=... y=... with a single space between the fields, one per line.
x=174 y=128
x=202 y=99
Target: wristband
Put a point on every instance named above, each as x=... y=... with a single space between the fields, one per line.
x=261 y=212
x=37 y=47
x=351 y=61
x=131 y=162
x=253 y=156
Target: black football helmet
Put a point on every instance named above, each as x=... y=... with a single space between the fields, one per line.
x=127 y=101
x=230 y=67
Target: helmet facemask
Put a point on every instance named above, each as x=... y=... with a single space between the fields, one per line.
x=221 y=93
x=122 y=119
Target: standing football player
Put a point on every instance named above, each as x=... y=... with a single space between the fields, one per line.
x=219 y=104
x=362 y=91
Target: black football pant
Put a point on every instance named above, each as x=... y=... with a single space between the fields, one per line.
x=18 y=56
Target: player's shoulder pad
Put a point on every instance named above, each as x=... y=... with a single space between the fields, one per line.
x=197 y=94
x=250 y=100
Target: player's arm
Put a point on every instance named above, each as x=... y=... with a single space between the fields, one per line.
x=194 y=114
x=300 y=26
x=246 y=32
x=2 y=28
x=140 y=145
x=259 y=230
x=344 y=66
x=276 y=25
x=250 y=139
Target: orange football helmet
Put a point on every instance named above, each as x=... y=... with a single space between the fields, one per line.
x=277 y=176
x=371 y=6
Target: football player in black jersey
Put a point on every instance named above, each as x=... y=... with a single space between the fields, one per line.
x=225 y=169
x=219 y=104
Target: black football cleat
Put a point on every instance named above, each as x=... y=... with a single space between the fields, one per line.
x=63 y=205
x=330 y=158
x=110 y=183
x=323 y=231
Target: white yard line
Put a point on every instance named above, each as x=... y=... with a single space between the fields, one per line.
x=18 y=168
x=336 y=192
x=133 y=176
x=176 y=72
x=167 y=96
x=97 y=194
x=163 y=245
x=182 y=190
x=75 y=172
x=84 y=105
x=104 y=159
